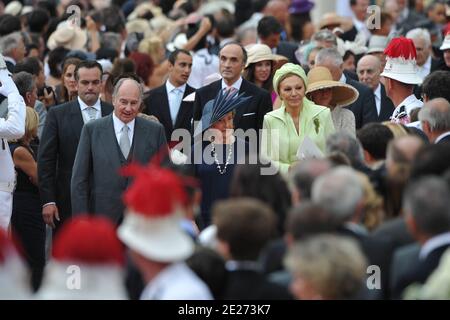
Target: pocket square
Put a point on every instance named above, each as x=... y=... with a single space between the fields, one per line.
x=249 y=114
x=189 y=97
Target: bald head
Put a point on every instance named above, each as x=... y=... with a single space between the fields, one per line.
x=369 y=70
x=408 y=145
x=435 y=117
x=278 y=9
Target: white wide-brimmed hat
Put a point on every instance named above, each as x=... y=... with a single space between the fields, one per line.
x=13 y=8
x=401 y=61
x=261 y=52
x=446 y=43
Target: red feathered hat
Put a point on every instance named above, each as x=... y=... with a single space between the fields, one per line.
x=88 y=240
x=155 y=203
x=401 y=61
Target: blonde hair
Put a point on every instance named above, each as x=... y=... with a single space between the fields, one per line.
x=373 y=205
x=397 y=129
x=151 y=47
x=31 y=125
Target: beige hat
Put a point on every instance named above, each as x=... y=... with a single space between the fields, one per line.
x=13 y=8
x=320 y=78
x=142 y=9
x=446 y=43
x=67 y=36
x=261 y=52
x=332 y=19
x=139 y=26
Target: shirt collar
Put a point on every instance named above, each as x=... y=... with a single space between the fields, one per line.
x=442 y=136
x=83 y=106
x=118 y=124
x=343 y=78
x=409 y=100
x=377 y=91
x=170 y=87
x=427 y=64
x=236 y=85
x=434 y=243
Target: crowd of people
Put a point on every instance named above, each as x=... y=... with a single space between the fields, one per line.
x=240 y=149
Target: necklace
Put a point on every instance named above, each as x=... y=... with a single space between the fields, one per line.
x=230 y=152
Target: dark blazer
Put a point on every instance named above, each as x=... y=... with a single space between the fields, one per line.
x=97 y=186
x=252 y=285
x=387 y=106
x=157 y=104
x=415 y=270
x=288 y=49
x=57 y=150
x=445 y=139
x=10 y=66
x=364 y=108
x=249 y=116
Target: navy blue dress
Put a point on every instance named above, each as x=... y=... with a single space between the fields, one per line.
x=214 y=185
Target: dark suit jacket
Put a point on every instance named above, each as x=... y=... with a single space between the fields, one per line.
x=252 y=285
x=387 y=106
x=413 y=270
x=446 y=139
x=10 y=66
x=57 y=151
x=249 y=116
x=364 y=108
x=157 y=104
x=97 y=186
x=288 y=49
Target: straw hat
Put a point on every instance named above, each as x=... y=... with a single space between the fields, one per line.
x=320 y=78
x=67 y=36
x=401 y=61
x=332 y=19
x=261 y=52
x=446 y=43
x=142 y=9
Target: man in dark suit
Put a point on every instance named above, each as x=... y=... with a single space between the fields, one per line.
x=244 y=228
x=105 y=146
x=60 y=139
x=269 y=32
x=167 y=102
x=435 y=119
x=369 y=70
x=232 y=61
x=426 y=206
x=364 y=107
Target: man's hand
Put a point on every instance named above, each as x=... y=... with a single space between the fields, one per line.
x=48 y=213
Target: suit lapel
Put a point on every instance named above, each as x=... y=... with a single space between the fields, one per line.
x=105 y=109
x=164 y=107
x=240 y=111
x=139 y=144
x=185 y=107
x=76 y=119
x=107 y=139
x=385 y=107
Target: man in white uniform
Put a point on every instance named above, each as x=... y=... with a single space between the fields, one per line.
x=11 y=128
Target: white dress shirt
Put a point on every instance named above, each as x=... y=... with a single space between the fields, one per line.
x=343 y=78
x=118 y=125
x=424 y=70
x=175 y=95
x=434 y=243
x=176 y=282
x=84 y=110
x=377 y=94
x=236 y=85
x=203 y=65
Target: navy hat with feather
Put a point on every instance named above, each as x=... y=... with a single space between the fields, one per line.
x=217 y=108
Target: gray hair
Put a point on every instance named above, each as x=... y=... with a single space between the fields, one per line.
x=335 y=265
x=339 y=191
x=329 y=54
x=325 y=35
x=348 y=144
x=428 y=201
x=24 y=82
x=9 y=42
x=303 y=174
x=119 y=84
x=437 y=113
x=111 y=40
x=420 y=33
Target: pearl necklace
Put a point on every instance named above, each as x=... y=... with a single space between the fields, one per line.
x=230 y=152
